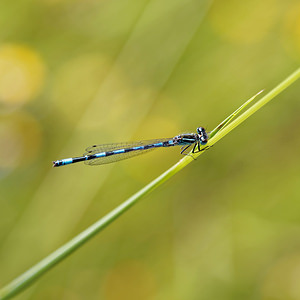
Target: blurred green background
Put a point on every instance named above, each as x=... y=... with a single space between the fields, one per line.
x=78 y=72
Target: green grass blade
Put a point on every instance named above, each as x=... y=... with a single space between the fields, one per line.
x=255 y=107
x=225 y=122
x=25 y=279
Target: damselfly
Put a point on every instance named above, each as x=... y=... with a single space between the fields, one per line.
x=108 y=153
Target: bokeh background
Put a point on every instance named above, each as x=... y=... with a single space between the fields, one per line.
x=78 y=72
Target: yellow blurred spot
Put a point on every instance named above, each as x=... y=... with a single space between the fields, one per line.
x=244 y=21
x=129 y=281
x=292 y=30
x=282 y=280
x=20 y=136
x=22 y=74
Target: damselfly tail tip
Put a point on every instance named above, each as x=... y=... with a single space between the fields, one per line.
x=54 y=164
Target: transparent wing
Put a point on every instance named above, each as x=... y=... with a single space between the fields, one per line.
x=118 y=146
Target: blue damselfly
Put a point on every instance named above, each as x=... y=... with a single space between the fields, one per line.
x=108 y=153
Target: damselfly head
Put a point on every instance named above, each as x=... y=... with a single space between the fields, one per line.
x=203 y=137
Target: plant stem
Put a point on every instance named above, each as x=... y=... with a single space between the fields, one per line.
x=47 y=263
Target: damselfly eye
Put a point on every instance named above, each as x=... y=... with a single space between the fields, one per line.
x=203 y=140
x=200 y=130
